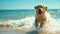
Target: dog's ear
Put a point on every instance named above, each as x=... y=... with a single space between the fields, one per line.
x=46 y=8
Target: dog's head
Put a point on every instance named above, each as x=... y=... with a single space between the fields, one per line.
x=40 y=8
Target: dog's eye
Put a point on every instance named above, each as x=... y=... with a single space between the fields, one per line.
x=40 y=7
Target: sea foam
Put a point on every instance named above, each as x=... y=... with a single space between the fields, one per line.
x=28 y=22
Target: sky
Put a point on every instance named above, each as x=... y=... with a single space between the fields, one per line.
x=28 y=4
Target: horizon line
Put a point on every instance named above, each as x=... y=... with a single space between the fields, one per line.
x=18 y=9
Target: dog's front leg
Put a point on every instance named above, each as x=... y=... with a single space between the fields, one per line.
x=42 y=24
x=36 y=23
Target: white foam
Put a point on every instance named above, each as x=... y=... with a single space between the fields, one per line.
x=27 y=22
x=53 y=25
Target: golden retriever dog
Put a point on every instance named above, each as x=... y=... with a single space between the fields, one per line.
x=41 y=15
x=42 y=20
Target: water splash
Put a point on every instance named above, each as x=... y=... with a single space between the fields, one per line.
x=29 y=21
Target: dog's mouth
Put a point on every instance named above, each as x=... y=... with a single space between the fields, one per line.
x=40 y=12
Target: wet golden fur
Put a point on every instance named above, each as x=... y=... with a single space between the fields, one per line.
x=40 y=18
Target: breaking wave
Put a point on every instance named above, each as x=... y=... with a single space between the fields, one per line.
x=26 y=22
x=29 y=21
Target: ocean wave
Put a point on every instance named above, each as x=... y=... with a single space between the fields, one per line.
x=28 y=23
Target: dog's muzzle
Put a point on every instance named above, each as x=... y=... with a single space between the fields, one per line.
x=40 y=10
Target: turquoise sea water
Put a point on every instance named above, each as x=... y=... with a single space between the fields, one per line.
x=15 y=14
x=20 y=14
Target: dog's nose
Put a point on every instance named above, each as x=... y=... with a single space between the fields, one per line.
x=39 y=9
